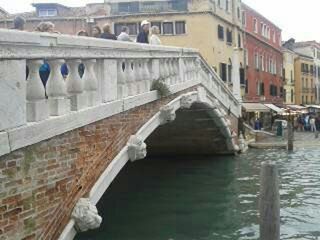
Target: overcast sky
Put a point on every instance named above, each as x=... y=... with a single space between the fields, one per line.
x=296 y=18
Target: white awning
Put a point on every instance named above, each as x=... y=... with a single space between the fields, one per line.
x=274 y=108
x=296 y=107
x=255 y=107
x=313 y=106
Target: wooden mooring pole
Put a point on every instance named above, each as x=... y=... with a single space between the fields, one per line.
x=290 y=137
x=269 y=204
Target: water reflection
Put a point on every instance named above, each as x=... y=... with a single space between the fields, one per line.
x=209 y=198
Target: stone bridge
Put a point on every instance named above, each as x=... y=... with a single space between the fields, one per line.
x=62 y=145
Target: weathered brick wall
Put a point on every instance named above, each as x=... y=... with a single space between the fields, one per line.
x=40 y=184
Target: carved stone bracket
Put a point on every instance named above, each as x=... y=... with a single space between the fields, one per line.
x=137 y=149
x=186 y=101
x=202 y=94
x=86 y=215
x=167 y=114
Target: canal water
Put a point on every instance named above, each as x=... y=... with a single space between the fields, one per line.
x=213 y=198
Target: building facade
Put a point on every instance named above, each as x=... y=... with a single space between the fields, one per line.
x=212 y=26
x=264 y=58
x=305 y=82
x=311 y=49
x=289 y=94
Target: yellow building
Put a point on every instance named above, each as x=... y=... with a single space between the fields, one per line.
x=213 y=27
x=289 y=75
x=304 y=84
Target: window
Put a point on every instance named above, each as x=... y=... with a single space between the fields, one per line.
x=311 y=69
x=291 y=95
x=228 y=5
x=133 y=29
x=48 y=12
x=167 y=28
x=180 y=5
x=158 y=24
x=312 y=99
x=302 y=98
x=128 y=7
x=220 y=32
x=180 y=27
x=239 y=41
x=238 y=13
x=256 y=60
x=262 y=29
x=242 y=81
x=244 y=20
x=261 y=89
x=223 y=71
x=229 y=36
x=255 y=25
x=230 y=73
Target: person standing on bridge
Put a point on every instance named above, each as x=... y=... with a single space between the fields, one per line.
x=124 y=35
x=19 y=23
x=143 y=36
x=154 y=39
x=107 y=33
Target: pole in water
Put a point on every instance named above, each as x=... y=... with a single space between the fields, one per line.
x=269 y=204
x=290 y=137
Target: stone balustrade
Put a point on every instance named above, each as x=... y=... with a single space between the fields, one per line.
x=113 y=71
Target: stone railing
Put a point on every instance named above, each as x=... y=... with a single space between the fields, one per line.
x=114 y=72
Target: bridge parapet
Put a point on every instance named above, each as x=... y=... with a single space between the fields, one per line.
x=114 y=72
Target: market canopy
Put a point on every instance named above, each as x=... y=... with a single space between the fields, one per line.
x=296 y=107
x=255 y=107
x=274 y=108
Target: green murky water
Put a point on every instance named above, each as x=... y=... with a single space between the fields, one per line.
x=212 y=198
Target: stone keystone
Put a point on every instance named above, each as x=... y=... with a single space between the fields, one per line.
x=86 y=215
x=137 y=149
x=186 y=101
x=167 y=114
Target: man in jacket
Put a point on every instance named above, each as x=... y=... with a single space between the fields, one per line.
x=143 y=36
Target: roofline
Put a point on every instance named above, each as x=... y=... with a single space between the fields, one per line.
x=275 y=25
x=57 y=4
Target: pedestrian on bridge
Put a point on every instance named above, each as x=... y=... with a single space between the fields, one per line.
x=143 y=36
x=107 y=33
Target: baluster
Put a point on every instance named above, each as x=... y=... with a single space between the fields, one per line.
x=57 y=90
x=162 y=70
x=146 y=75
x=138 y=78
x=176 y=70
x=75 y=86
x=166 y=72
x=134 y=84
x=90 y=82
x=37 y=105
x=122 y=88
x=171 y=73
x=128 y=77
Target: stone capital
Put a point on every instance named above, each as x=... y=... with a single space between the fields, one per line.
x=85 y=215
x=167 y=114
x=137 y=149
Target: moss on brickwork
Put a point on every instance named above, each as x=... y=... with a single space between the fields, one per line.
x=11 y=173
x=29 y=225
x=27 y=160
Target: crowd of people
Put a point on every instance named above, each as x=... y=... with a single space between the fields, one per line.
x=147 y=35
x=307 y=122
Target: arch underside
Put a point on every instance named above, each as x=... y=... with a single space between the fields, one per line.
x=193 y=132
